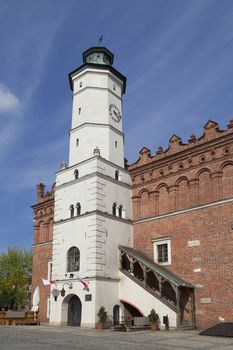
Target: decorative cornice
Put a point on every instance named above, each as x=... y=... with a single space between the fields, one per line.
x=142 y=171
x=94 y=174
x=97 y=125
x=42 y=244
x=89 y=160
x=94 y=212
x=183 y=211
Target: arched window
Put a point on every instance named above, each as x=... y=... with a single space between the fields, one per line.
x=120 y=211
x=78 y=207
x=114 y=207
x=73 y=259
x=116 y=175
x=71 y=211
x=76 y=174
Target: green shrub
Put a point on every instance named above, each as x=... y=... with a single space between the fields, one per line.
x=102 y=314
x=153 y=317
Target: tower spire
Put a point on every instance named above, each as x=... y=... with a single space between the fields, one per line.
x=100 y=40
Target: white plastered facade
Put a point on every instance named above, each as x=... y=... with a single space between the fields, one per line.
x=96 y=232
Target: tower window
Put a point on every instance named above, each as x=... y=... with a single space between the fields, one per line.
x=114 y=207
x=78 y=208
x=77 y=142
x=73 y=259
x=80 y=84
x=116 y=175
x=115 y=144
x=76 y=174
x=71 y=211
x=120 y=211
x=79 y=110
x=114 y=87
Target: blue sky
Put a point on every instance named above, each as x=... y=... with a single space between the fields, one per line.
x=176 y=54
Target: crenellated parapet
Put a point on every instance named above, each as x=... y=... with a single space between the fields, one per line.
x=211 y=133
x=184 y=175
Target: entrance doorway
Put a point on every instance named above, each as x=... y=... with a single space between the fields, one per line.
x=74 y=311
x=116 y=315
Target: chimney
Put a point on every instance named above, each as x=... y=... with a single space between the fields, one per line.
x=40 y=192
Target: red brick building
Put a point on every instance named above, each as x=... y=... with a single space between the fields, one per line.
x=182 y=208
x=42 y=246
x=182 y=215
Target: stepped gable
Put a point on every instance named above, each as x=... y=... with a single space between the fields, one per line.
x=211 y=132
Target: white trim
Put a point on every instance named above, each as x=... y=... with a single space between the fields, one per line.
x=156 y=243
x=48 y=307
x=89 y=160
x=161 y=239
x=184 y=211
x=50 y=267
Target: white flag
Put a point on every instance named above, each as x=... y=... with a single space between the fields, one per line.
x=47 y=282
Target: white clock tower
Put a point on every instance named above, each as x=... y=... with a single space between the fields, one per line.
x=92 y=197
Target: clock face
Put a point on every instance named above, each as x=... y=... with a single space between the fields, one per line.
x=114 y=113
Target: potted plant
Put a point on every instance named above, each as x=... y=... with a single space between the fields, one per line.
x=102 y=315
x=153 y=320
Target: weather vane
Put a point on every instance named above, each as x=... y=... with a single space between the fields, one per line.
x=100 y=40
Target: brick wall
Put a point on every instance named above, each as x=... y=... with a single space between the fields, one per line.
x=182 y=193
x=42 y=246
x=212 y=254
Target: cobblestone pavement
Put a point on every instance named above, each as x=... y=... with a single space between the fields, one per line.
x=68 y=338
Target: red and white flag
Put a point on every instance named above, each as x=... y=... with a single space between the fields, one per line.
x=86 y=284
x=47 y=282
x=83 y=282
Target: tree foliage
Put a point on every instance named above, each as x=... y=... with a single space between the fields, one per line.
x=15 y=277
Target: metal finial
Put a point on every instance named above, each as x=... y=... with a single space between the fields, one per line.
x=100 y=40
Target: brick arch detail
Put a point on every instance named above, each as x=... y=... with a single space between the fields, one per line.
x=163 y=184
x=227 y=179
x=202 y=170
x=49 y=229
x=163 y=198
x=143 y=191
x=144 y=200
x=181 y=178
x=204 y=186
x=183 y=193
x=223 y=165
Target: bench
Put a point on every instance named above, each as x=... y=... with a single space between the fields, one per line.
x=13 y=318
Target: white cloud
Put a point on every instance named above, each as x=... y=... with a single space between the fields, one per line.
x=8 y=102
